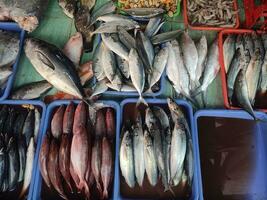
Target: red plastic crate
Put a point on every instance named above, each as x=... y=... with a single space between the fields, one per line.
x=221 y=36
x=210 y=28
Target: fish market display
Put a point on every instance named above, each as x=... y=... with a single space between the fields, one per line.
x=128 y=62
x=158 y=147
x=19 y=127
x=76 y=156
x=192 y=65
x=245 y=64
x=26 y=13
x=218 y=13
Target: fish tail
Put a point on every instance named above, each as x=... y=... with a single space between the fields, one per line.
x=99 y=188
x=169 y=189
x=83 y=185
x=105 y=194
x=141 y=100
x=196 y=91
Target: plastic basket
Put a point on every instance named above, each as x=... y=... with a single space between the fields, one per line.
x=189 y=114
x=50 y=109
x=9 y=26
x=258 y=183
x=208 y=28
x=42 y=109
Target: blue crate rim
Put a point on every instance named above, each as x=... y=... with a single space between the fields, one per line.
x=222 y=113
x=50 y=107
x=43 y=107
x=11 y=26
x=189 y=113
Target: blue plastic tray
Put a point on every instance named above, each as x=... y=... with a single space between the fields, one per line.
x=189 y=114
x=42 y=107
x=38 y=177
x=258 y=188
x=9 y=26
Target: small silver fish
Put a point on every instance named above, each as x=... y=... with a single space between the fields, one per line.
x=165 y=37
x=228 y=51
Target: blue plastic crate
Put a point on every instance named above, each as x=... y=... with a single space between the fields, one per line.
x=50 y=109
x=9 y=26
x=189 y=114
x=257 y=182
x=42 y=109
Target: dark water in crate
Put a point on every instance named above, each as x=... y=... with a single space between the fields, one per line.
x=230 y=161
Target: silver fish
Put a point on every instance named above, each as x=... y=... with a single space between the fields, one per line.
x=100 y=87
x=178 y=144
x=264 y=39
x=5 y=72
x=112 y=27
x=148 y=47
x=258 y=44
x=54 y=66
x=124 y=87
x=123 y=66
x=228 y=51
x=97 y=62
x=126 y=38
x=152 y=26
x=37 y=121
x=118 y=18
x=165 y=37
x=9 y=48
x=127 y=159
x=150 y=159
x=248 y=44
x=241 y=92
x=190 y=55
x=114 y=45
x=144 y=12
x=159 y=65
x=177 y=178
x=31 y=90
x=137 y=73
x=189 y=161
x=202 y=51
x=104 y=9
x=263 y=83
x=253 y=75
x=138 y=147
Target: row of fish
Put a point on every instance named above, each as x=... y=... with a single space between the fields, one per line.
x=160 y=147
x=19 y=129
x=191 y=67
x=245 y=64
x=218 y=13
x=26 y=13
x=9 y=49
x=76 y=155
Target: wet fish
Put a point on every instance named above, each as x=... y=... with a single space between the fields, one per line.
x=106 y=166
x=178 y=177
x=127 y=159
x=159 y=65
x=118 y=18
x=152 y=26
x=79 y=147
x=21 y=158
x=104 y=9
x=189 y=161
x=100 y=126
x=178 y=144
x=123 y=66
x=253 y=75
x=144 y=12
x=68 y=119
x=114 y=45
x=31 y=90
x=18 y=124
x=202 y=51
x=165 y=37
x=124 y=87
x=5 y=72
x=73 y=49
x=96 y=163
x=43 y=159
x=150 y=159
x=53 y=168
x=64 y=158
x=26 y=14
x=9 y=123
x=137 y=73
x=54 y=66
x=241 y=92
x=3 y=164
x=263 y=83
x=110 y=124
x=126 y=38
x=190 y=55
x=13 y=159
x=138 y=150
x=97 y=62
x=258 y=45
x=28 y=127
x=112 y=27
x=57 y=122
x=69 y=7
x=248 y=44
x=228 y=51
x=101 y=87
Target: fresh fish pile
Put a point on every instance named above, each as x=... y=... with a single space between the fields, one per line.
x=19 y=128
x=26 y=13
x=9 y=49
x=128 y=62
x=192 y=66
x=245 y=63
x=159 y=146
x=76 y=156
x=218 y=13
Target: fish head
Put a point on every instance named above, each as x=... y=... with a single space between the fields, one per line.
x=33 y=46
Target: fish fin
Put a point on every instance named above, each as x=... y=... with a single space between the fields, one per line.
x=99 y=188
x=105 y=194
x=45 y=60
x=141 y=100
x=197 y=91
x=83 y=185
x=170 y=189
